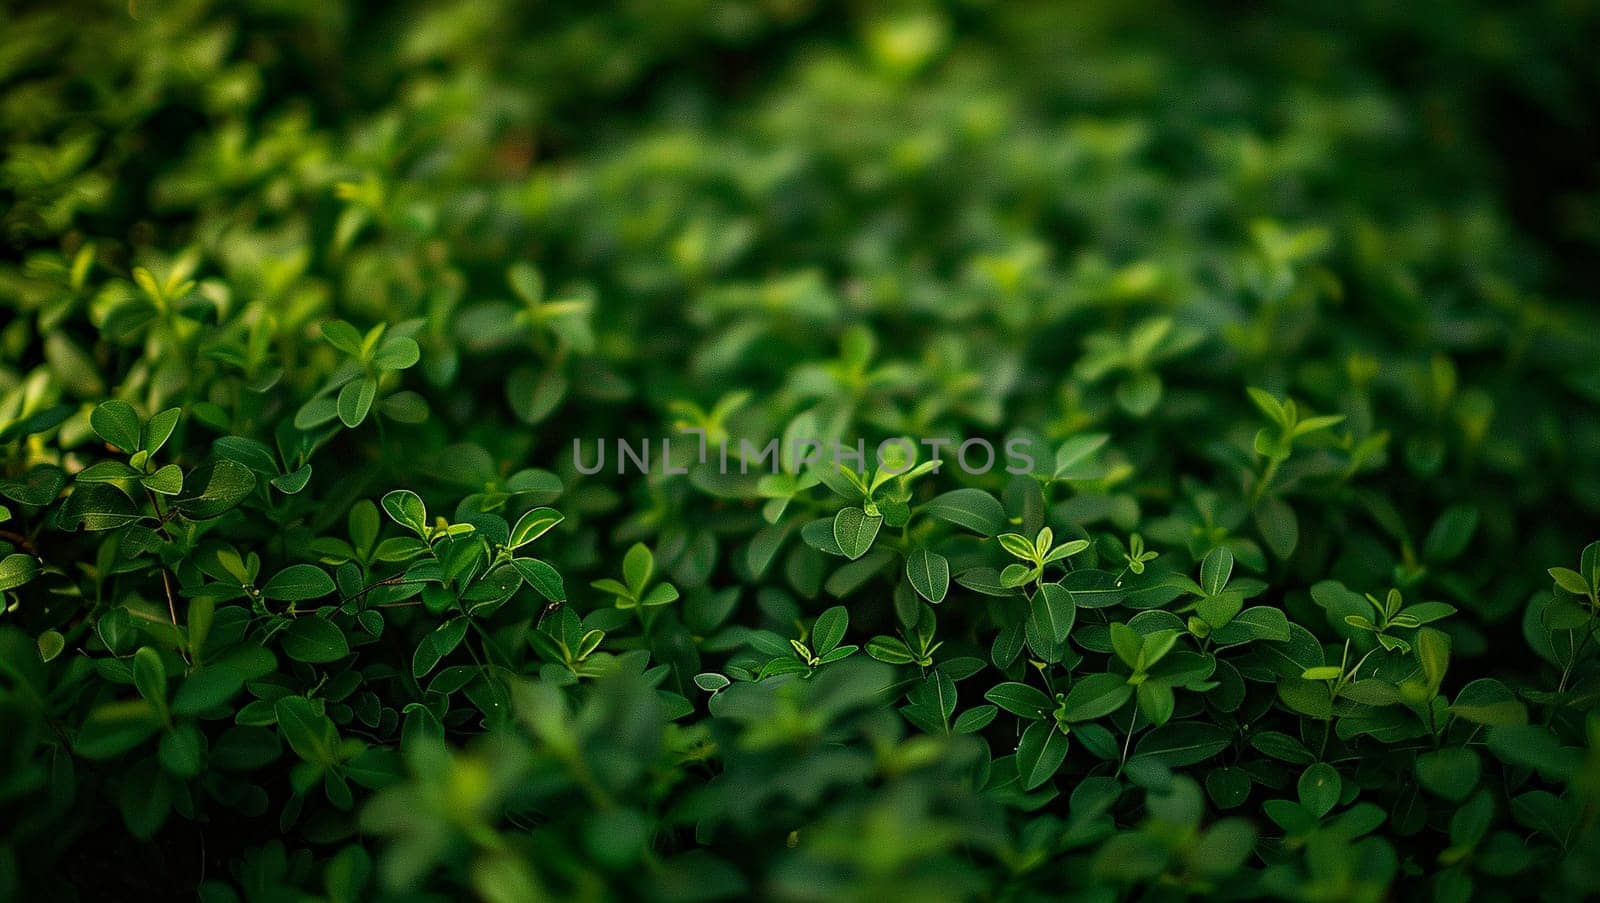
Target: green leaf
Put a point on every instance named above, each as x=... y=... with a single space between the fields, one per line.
x=1215 y=570
x=829 y=629
x=975 y=719
x=1281 y=746
x=1451 y=533
x=1093 y=588
x=159 y=430
x=1071 y=455
x=1096 y=696
x=291 y=483
x=637 y=567
x=973 y=509
x=1055 y=611
x=542 y=577
x=50 y=644
x=1279 y=526
x=1223 y=848
x=397 y=353
x=1228 y=787
x=1020 y=699
x=150 y=677
x=1319 y=788
x=1269 y=406
x=114 y=728
x=1066 y=550
x=1139 y=394
x=532 y=525
x=1156 y=701
x=166 y=481
x=117 y=423
x=1040 y=754
x=1017 y=575
x=1259 y=622
x=1433 y=654
x=929 y=573
x=1128 y=645
x=355 y=400
x=1488 y=702
x=711 y=682
x=308 y=731
x=1219 y=610
x=210 y=490
x=854 y=530
x=17 y=569
x=342 y=336
x=1533 y=746
x=214 y=685
x=316 y=412
x=39 y=486
x=1306 y=696
x=407 y=510
x=145 y=801
x=1018 y=545
x=183 y=750
x=1424 y=613
x=660 y=594
x=1570 y=580
x=890 y=649
x=1182 y=743
x=298 y=582
x=535 y=394
x=108 y=472
x=314 y=640
x=96 y=507
x=1451 y=773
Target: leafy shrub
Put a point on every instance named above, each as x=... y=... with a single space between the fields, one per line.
x=316 y=319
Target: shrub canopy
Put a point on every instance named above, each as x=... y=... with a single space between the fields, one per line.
x=308 y=308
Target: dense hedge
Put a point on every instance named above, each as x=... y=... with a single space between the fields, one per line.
x=307 y=310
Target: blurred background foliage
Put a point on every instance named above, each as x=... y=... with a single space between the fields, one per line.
x=1043 y=220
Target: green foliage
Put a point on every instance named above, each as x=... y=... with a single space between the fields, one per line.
x=1222 y=524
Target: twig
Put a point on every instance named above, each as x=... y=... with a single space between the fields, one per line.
x=172 y=612
x=20 y=541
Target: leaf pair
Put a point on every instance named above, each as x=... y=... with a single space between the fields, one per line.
x=636 y=590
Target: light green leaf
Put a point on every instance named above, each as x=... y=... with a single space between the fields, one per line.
x=50 y=644
x=1570 y=580
x=854 y=530
x=929 y=573
x=17 y=569
x=533 y=525
x=117 y=423
x=355 y=400
x=166 y=481
x=638 y=565
x=407 y=510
